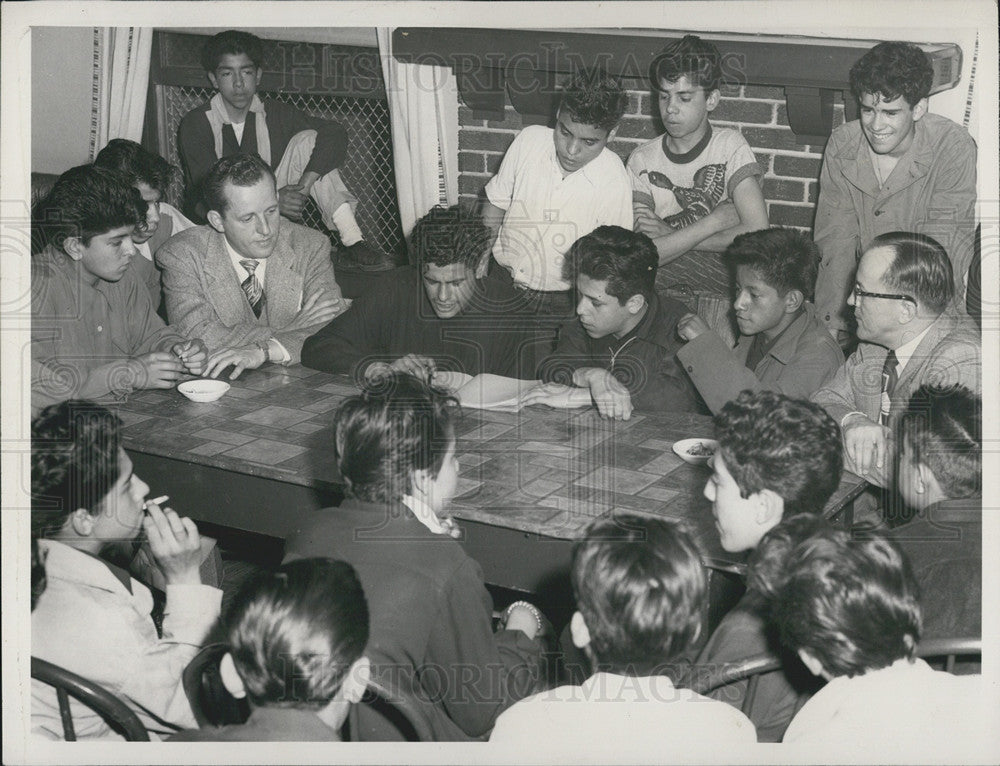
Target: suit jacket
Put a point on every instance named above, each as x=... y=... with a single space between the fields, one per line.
x=799 y=362
x=202 y=289
x=948 y=355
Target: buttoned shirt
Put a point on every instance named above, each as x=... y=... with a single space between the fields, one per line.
x=546 y=212
x=78 y=326
x=261 y=273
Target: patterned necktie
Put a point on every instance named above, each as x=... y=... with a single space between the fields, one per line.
x=252 y=287
x=889 y=378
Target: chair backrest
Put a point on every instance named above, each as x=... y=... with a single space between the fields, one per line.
x=949 y=649
x=749 y=669
x=387 y=715
x=67 y=684
x=752 y=668
x=210 y=701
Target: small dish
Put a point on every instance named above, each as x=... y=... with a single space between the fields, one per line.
x=688 y=450
x=203 y=389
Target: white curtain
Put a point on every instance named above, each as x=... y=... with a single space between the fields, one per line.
x=121 y=78
x=423 y=109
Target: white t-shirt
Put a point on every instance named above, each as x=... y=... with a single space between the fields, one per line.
x=619 y=716
x=546 y=212
x=906 y=705
x=682 y=188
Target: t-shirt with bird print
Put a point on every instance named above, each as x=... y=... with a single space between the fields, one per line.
x=682 y=188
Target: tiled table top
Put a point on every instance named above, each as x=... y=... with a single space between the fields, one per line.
x=542 y=471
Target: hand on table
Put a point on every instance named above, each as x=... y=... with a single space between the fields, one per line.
x=317 y=309
x=157 y=369
x=557 y=395
x=291 y=200
x=691 y=326
x=193 y=355
x=175 y=545
x=240 y=358
x=866 y=448
x=613 y=400
x=419 y=366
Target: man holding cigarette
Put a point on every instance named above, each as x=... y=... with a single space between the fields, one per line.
x=95 y=332
x=93 y=618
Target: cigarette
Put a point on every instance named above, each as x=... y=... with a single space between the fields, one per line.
x=155 y=501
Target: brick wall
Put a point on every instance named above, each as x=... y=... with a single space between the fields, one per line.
x=758 y=112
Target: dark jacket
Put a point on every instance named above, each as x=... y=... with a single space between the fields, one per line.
x=196 y=145
x=431 y=629
x=266 y=724
x=944 y=545
x=395 y=318
x=645 y=360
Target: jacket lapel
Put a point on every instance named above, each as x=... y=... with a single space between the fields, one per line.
x=905 y=385
x=223 y=283
x=283 y=285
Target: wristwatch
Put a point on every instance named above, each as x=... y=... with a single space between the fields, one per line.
x=265 y=346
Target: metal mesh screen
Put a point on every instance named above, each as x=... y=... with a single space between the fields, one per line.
x=367 y=171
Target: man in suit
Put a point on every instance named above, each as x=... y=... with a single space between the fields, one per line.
x=255 y=286
x=909 y=337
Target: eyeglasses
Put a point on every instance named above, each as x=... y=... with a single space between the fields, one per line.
x=857 y=292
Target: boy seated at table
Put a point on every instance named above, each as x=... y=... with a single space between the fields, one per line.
x=940 y=526
x=783 y=346
x=93 y=618
x=296 y=638
x=640 y=590
x=94 y=329
x=554 y=186
x=779 y=460
x=695 y=187
x=434 y=316
x=431 y=615
x=850 y=609
x=623 y=345
x=151 y=175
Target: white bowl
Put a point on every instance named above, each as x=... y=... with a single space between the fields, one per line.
x=683 y=450
x=203 y=390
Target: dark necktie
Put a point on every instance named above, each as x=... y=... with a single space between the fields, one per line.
x=889 y=378
x=252 y=287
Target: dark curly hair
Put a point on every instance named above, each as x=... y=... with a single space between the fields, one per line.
x=626 y=259
x=85 y=202
x=294 y=633
x=448 y=235
x=397 y=425
x=853 y=604
x=690 y=56
x=640 y=587
x=593 y=97
x=75 y=448
x=890 y=70
x=233 y=42
x=785 y=259
x=789 y=446
x=136 y=164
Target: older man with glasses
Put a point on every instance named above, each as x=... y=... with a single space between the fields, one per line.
x=908 y=337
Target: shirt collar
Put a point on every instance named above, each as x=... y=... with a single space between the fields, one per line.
x=424 y=514
x=904 y=352
x=236 y=258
